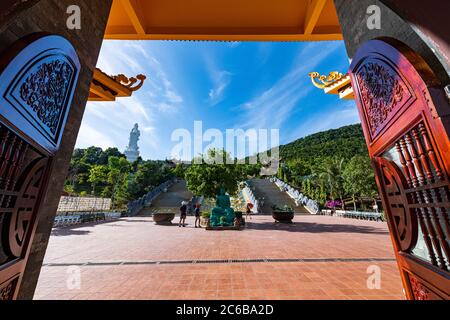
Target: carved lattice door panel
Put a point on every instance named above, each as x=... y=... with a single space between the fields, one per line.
x=409 y=147
x=37 y=82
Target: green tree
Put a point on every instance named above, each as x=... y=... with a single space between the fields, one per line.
x=308 y=188
x=280 y=172
x=359 y=178
x=298 y=171
x=118 y=172
x=331 y=172
x=97 y=175
x=179 y=171
x=92 y=155
x=207 y=178
x=249 y=170
x=109 y=152
x=148 y=175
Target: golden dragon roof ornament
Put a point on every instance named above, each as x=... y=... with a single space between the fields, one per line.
x=325 y=80
x=129 y=82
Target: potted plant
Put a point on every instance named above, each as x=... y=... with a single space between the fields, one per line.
x=204 y=219
x=283 y=214
x=163 y=217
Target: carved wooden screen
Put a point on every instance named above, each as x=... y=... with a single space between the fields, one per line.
x=37 y=82
x=409 y=148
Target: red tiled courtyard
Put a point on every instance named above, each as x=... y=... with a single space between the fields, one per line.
x=317 y=257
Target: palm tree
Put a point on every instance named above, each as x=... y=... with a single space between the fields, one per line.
x=331 y=173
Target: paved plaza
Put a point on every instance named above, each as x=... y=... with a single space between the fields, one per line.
x=317 y=257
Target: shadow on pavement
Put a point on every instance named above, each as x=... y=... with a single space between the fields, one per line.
x=311 y=227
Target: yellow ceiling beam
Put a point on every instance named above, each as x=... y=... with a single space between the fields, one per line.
x=135 y=14
x=314 y=10
x=210 y=20
x=222 y=37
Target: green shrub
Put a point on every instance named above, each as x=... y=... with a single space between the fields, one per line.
x=282 y=208
x=206 y=214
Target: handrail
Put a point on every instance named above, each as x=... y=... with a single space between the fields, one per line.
x=134 y=207
x=297 y=196
x=249 y=196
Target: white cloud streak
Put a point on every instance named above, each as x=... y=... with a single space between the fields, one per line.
x=220 y=80
x=107 y=124
x=272 y=107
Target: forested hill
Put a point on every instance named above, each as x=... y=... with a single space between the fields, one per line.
x=345 y=142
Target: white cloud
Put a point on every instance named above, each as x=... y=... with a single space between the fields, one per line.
x=134 y=57
x=109 y=123
x=173 y=97
x=166 y=108
x=233 y=44
x=89 y=136
x=221 y=81
x=219 y=78
x=272 y=107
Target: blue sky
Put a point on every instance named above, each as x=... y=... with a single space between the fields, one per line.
x=226 y=85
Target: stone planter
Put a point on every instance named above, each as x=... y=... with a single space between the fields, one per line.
x=204 y=222
x=283 y=216
x=163 y=218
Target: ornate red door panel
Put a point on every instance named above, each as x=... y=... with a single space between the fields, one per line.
x=410 y=151
x=36 y=89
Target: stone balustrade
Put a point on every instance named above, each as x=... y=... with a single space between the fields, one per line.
x=249 y=197
x=77 y=204
x=361 y=215
x=297 y=196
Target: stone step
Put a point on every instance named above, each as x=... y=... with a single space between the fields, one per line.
x=170 y=200
x=264 y=188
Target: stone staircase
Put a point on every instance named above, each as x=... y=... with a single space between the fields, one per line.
x=170 y=200
x=264 y=188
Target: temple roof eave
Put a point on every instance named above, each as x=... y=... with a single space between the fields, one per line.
x=107 y=88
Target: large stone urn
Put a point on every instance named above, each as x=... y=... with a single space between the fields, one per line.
x=163 y=217
x=282 y=214
x=283 y=217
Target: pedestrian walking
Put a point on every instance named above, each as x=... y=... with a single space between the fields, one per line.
x=197 y=215
x=183 y=212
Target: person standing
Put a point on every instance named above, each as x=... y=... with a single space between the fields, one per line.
x=248 y=211
x=183 y=212
x=197 y=215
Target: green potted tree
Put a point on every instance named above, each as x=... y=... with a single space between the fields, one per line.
x=284 y=214
x=210 y=175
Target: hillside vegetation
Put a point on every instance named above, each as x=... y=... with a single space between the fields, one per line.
x=330 y=165
x=344 y=143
